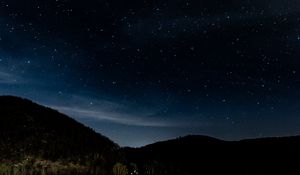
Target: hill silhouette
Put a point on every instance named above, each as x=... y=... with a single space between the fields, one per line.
x=32 y=133
x=193 y=155
x=39 y=140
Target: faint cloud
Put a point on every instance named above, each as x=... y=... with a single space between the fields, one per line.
x=124 y=119
x=119 y=113
x=8 y=78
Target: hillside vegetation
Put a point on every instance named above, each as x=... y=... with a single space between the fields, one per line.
x=36 y=139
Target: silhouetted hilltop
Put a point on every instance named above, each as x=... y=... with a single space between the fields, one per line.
x=29 y=131
x=38 y=140
x=193 y=155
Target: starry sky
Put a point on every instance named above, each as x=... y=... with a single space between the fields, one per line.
x=140 y=71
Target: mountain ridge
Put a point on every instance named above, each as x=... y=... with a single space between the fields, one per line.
x=194 y=154
x=37 y=139
x=41 y=136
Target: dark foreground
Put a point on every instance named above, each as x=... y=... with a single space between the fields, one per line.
x=37 y=140
x=204 y=155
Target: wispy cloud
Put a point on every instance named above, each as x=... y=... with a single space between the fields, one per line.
x=114 y=117
x=119 y=113
x=8 y=78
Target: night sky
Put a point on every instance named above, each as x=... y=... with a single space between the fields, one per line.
x=140 y=71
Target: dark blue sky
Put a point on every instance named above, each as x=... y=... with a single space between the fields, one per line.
x=143 y=71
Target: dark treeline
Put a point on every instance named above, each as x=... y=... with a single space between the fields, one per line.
x=38 y=140
x=193 y=155
x=35 y=140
